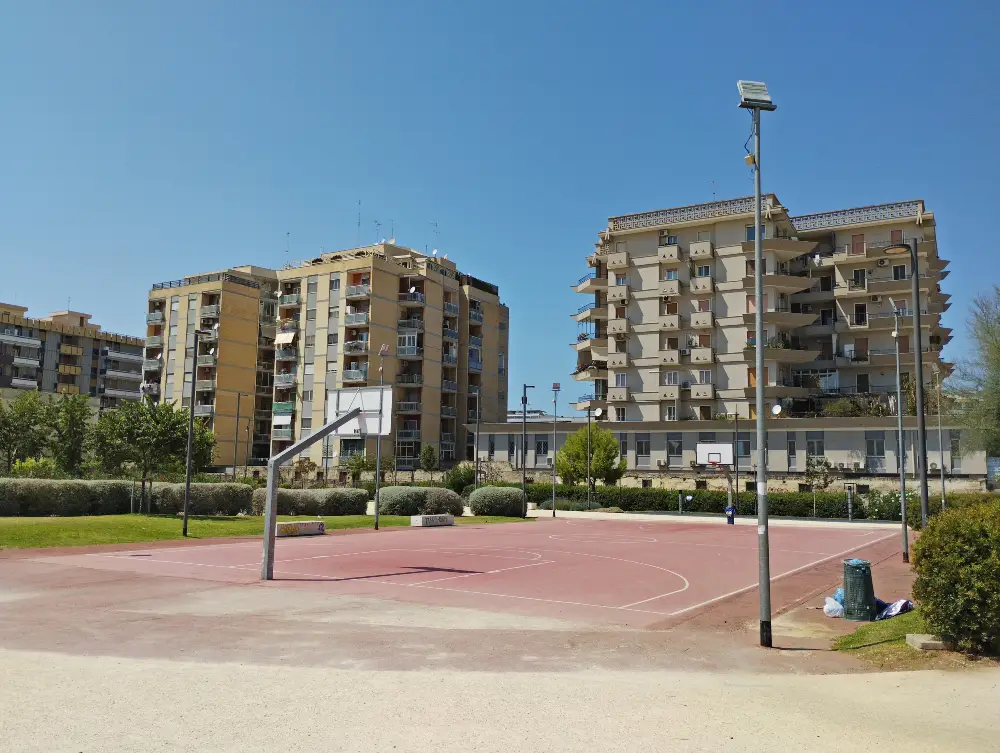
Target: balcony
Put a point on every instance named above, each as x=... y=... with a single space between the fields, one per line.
x=670 y=287
x=702 y=391
x=33 y=362
x=416 y=379
x=591 y=283
x=209 y=312
x=358 y=291
x=416 y=298
x=204 y=409
x=356 y=318
x=669 y=392
x=700 y=250
x=618 y=361
x=476 y=315
x=282 y=433
x=475 y=365
x=700 y=285
x=475 y=389
x=590 y=402
x=447 y=437
x=353 y=375
x=154 y=341
x=670 y=357
x=669 y=254
x=283 y=408
x=290 y=299
x=670 y=321
x=23 y=383
x=411 y=324
x=129 y=376
x=618 y=327
x=286 y=380
x=449 y=334
x=122 y=355
x=618 y=260
x=449 y=359
x=702 y=355
x=356 y=346
x=123 y=394
x=449 y=385
x=618 y=294
x=783 y=317
x=152 y=364
x=475 y=341
x=286 y=354
x=781 y=352
x=617 y=394
x=408 y=434
x=154 y=317
x=210 y=336
x=451 y=309
x=204 y=385
x=702 y=320
x=150 y=388
x=260 y=437
x=66 y=368
x=70 y=350
x=449 y=411
x=595 y=344
x=207 y=359
x=9 y=336
x=474 y=415
x=409 y=352
x=590 y=372
x=590 y=312
x=408 y=407
x=68 y=389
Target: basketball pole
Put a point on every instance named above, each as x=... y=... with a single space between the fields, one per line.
x=378 y=442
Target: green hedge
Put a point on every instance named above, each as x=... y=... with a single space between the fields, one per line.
x=952 y=500
x=497 y=500
x=44 y=497
x=206 y=499
x=419 y=500
x=957 y=561
x=329 y=501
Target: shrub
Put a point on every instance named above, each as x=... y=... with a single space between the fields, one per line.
x=329 y=501
x=38 y=497
x=401 y=500
x=206 y=499
x=460 y=477
x=957 y=561
x=953 y=500
x=441 y=501
x=497 y=500
x=36 y=468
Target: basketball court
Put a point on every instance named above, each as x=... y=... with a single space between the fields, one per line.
x=637 y=574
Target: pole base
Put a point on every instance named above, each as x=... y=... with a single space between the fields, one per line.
x=906 y=556
x=765 y=633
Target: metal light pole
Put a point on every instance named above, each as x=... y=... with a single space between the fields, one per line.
x=921 y=452
x=524 y=449
x=479 y=413
x=754 y=97
x=382 y=353
x=588 y=458
x=937 y=381
x=901 y=450
x=736 y=454
x=190 y=443
x=246 y=450
x=555 y=397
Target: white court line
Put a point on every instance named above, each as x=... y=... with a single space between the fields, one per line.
x=488 y=572
x=779 y=577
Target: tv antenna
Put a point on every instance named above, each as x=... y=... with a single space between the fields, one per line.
x=378 y=226
x=359 y=222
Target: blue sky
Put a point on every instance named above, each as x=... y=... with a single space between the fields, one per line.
x=145 y=141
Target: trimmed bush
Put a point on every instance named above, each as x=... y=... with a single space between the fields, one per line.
x=497 y=500
x=957 y=561
x=206 y=499
x=460 y=477
x=442 y=501
x=953 y=500
x=330 y=501
x=401 y=500
x=44 y=497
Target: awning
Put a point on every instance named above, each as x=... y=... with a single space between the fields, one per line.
x=281 y=420
x=285 y=338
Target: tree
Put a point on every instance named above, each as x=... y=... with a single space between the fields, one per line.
x=303 y=468
x=975 y=387
x=357 y=464
x=819 y=475
x=428 y=459
x=70 y=419
x=571 y=460
x=24 y=429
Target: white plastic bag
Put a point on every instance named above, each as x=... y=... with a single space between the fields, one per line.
x=833 y=608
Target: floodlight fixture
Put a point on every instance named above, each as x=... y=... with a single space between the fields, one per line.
x=754 y=96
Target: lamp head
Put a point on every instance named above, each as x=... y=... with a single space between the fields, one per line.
x=599 y=412
x=754 y=95
x=776 y=410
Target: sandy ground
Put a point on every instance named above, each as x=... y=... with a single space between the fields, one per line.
x=83 y=704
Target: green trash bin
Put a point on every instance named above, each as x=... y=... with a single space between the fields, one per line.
x=859 y=592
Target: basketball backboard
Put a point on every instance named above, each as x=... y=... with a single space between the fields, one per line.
x=717 y=453
x=369 y=400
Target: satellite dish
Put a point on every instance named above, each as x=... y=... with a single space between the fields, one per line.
x=816 y=260
x=215 y=326
x=599 y=412
x=382 y=241
x=211 y=351
x=392 y=240
x=434 y=252
x=445 y=256
x=776 y=410
x=413 y=290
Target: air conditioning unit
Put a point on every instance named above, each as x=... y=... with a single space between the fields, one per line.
x=685 y=385
x=857 y=466
x=876 y=299
x=840 y=465
x=883 y=262
x=661 y=463
x=549 y=460
x=685 y=351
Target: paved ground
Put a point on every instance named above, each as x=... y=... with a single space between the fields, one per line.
x=112 y=653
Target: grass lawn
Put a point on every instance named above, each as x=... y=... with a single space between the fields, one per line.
x=19 y=533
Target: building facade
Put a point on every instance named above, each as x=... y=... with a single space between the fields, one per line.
x=318 y=326
x=65 y=353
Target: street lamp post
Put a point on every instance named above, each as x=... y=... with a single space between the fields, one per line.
x=754 y=97
x=921 y=459
x=937 y=382
x=588 y=458
x=901 y=447
x=524 y=448
x=479 y=413
x=190 y=440
x=382 y=353
x=555 y=397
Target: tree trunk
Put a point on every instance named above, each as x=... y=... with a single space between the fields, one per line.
x=142 y=492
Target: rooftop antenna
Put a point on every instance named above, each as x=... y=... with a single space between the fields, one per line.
x=378 y=225
x=437 y=235
x=288 y=249
x=359 y=222
x=713 y=190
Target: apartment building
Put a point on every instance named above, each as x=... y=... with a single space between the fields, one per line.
x=288 y=337
x=667 y=339
x=65 y=353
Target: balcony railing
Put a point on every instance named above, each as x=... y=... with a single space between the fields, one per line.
x=476 y=315
x=282 y=433
x=449 y=411
x=24 y=383
x=286 y=354
x=155 y=341
x=150 y=388
x=204 y=385
x=451 y=308
x=475 y=389
x=449 y=334
x=448 y=385
x=475 y=342
x=154 y=317
x=123 y=394
x=207 y=360
x=283 y=408
x=9 y=335
x=475 y=415
x=447 y=436
x=475 y=365
x=285 y=380
x=356 y=346
x=408 y=407
x=204 y=409
x=358 y=291
x=410 y=379
x=417 y=324
x=409 y=351
x=407 y=463
x=130 y=376
x=356 y=375
x=122 y=355
x=408 y=434
x=152 y=364
x=412 y=297
x=588 y=276
x=449 y=360
x=358 y=317
x=290 y=299
x=209 y=312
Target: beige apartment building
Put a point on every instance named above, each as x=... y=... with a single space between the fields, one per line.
x=667 y=342
x=65 y=353
x=288 y=337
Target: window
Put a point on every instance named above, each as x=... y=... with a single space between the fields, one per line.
x=309 y=369
x=704 y=270
x=307 y=422
x=814 y=444
x=541 y=445
x=511 y=449
x=332 y=339
x=310 y=341
x=501 y=363
x=875 y=444
x=491 y=446
x=334 y=312
x=706 y=436
x=311 y=315
x=675 y=447
x=647 y=483
x=792 y=459
x=671 y=378
x=621 y=280
x=502 y=398
x=307 y=396
x=623 y=445
x=955 y=439
x=705 y=304
x=334 y=282
x=744 y=444
x=666 y=239
x=899 y=272
x=704 y=235
x=670 y=274
x=705 y=376
x=704 y=341
x=619 y=413
x=670 y=413
x=331 y=367
x=750 y=233
x=621 y=379
x=642 y=448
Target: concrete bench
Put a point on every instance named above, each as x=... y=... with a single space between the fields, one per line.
x=300 y=528
x=425 y=521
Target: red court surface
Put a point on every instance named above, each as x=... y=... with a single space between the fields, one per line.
x=638 y=574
